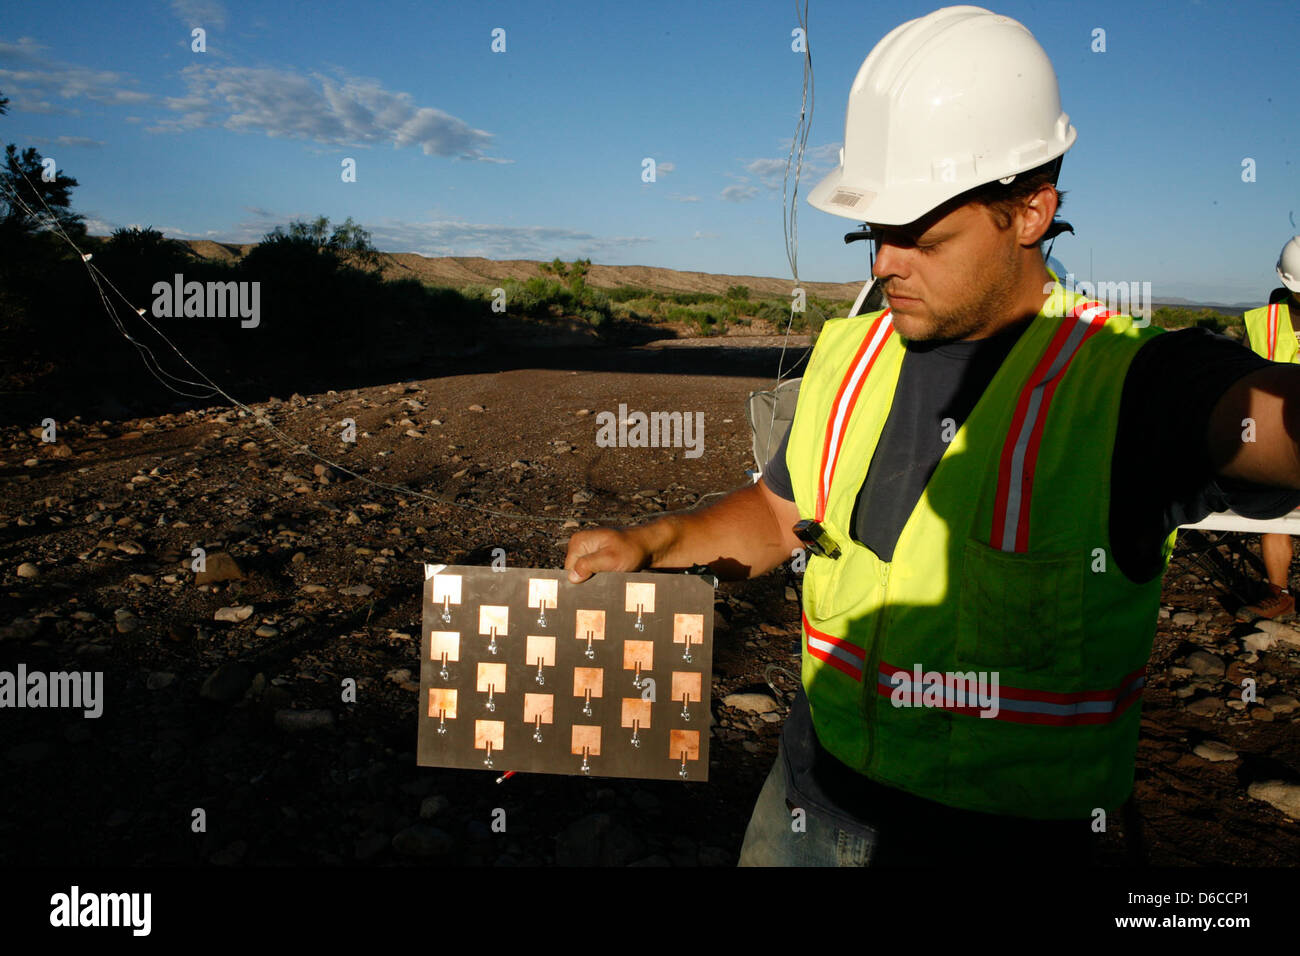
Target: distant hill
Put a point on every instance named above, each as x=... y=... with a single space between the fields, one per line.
x=459 y=271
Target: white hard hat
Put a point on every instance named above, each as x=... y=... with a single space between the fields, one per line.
x=1288 y=264
x=944 y=103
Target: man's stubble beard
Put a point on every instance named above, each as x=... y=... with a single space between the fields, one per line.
x=990 y=304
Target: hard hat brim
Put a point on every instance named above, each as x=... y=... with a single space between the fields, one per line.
x=903 y=203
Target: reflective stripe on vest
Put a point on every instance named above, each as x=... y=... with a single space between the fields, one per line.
x=845 y=399
x=1016 y=704
x=1020 y=452
x=841 y=655
x=1271 y=334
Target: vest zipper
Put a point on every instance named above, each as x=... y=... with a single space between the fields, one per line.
x=871 y=676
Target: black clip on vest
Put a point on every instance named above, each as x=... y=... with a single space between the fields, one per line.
x=815 y=537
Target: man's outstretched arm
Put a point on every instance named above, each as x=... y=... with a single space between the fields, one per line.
x=1255 y=428
x=746 y=534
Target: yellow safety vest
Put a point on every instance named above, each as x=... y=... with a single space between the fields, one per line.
x=1271 y=334
x=1004 y=570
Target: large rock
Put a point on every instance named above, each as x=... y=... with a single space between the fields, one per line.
x=1205 y=664
x=1214 y=751
x=233 y=615
x=750 y=703
x=219 y=567
x=28 y=570
x=1285 y=796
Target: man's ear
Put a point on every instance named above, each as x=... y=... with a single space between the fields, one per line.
x=1037 y=213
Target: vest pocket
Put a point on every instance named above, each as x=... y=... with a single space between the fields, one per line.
x=834 y=586
x=1021 y=612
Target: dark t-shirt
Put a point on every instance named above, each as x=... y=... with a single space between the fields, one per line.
x=1161 y=478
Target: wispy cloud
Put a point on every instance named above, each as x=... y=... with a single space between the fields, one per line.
x=456 y=238
x=676 y=197
x=444 y=237
x=738 y=192
x=34 y=81
x=73 y=141
x=348 y=111
x=201 y=13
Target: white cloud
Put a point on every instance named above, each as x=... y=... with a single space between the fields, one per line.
x=349 y=111
x=447 y=237
x=738 y=193
x=665 y=167
x=200 y=13
x=33 y=81
x=680 y=198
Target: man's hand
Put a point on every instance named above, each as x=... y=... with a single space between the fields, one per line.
x=604 y=549
x=746 y=534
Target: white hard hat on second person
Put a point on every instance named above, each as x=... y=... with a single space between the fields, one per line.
x=1288 y=264
x=950 y=101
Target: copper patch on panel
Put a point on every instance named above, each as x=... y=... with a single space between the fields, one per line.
x=585 y=736
x=493 y=616
x=688 y=628
x=490 y=732
x=638 y=652
x=684 y=741
x=540 y=646
x=446 y=589
x=634 y=708
x=686 y=682
x=593 y=621
x=444 y=642
x=543 y=589
x=442 y=702
x=639 y=595
x=588 y=679
x=539 y=705
x=491 y=677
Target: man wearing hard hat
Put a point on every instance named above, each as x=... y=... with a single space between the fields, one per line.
x=987 y=476
x=1271 y=334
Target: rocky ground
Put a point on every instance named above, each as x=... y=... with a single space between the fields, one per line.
x=222 y=689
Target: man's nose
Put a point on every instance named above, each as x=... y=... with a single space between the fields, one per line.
x=890 y=260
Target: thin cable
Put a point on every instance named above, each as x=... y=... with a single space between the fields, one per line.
x=790 y=213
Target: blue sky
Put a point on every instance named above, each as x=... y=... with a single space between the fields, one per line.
x=537 y=151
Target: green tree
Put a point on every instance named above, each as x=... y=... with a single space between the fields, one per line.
x=28 y=201
x=348 y=242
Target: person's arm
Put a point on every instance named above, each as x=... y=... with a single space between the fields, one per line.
x=1255 y=427
x=746 y=534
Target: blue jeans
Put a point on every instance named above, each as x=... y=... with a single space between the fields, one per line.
x=771 y=838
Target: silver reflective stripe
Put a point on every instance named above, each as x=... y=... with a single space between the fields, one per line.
x=1010 y=703
x=826 y=647
x=1016 y=487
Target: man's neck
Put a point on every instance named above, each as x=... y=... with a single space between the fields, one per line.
x=1028 y=304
